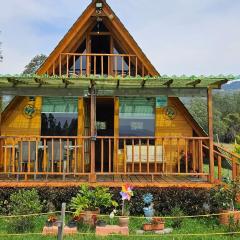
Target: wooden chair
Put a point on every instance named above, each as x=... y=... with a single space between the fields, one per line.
x=26 y=156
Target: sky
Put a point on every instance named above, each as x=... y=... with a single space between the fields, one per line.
x=191 y=37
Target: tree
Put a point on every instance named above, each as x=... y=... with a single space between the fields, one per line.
x=232 y=121
x=34 y=64
x=226 y=114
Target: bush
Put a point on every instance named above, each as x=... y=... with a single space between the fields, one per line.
x=177 y=222
x=23 y=202
x=91 y=199
x=191 y=200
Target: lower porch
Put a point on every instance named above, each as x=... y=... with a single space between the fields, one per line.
x=112 y=161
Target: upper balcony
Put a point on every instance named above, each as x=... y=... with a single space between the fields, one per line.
x=97 y=64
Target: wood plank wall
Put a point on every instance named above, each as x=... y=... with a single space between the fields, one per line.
x=14 y=123
x=176 y=127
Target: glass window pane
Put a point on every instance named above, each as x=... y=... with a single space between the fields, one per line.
x=59 y=116
x=137 y=116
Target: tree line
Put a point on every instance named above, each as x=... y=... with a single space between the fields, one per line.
x=226 y=115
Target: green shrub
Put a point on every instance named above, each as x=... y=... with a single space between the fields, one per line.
x=191 y=200
x=237 y=148
x=238 y=139
x=23 y=202
x=91 y=199
x=177 y=222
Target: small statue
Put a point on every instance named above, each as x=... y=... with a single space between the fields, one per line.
x=148 y=209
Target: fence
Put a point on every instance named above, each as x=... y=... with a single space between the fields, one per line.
x=136 y=221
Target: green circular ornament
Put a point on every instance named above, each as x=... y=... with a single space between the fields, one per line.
x=170 y=112
x=29 y=111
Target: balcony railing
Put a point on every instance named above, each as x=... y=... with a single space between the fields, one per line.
x=74 y=64
x=25 y=158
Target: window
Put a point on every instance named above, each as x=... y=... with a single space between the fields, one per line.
x=59 y=116
x=137 y=116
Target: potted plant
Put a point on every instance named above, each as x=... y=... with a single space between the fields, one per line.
x=73 y=222
x=126 y=195
x=225 y=196
x=88 y=202
x=152 y=223
x=158 y=223
x=51 y=221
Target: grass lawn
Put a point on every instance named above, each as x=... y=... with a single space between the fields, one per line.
x=197 y=226
x=226 y=173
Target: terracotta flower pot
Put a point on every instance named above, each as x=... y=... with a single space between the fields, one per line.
x=158 y=224
x=90 y=217
x=123 y=221
x=238 y=198
x=224 y=218
x=147 y=227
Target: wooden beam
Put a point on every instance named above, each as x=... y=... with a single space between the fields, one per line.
x=118 y=83
x=210 y=133
x=67 y=82
x=82 y=91
x=143 y=83
x=57 y=183
x=194 y=83
x=16 y=81
x=168 y=83
x=92 y=83
x=218 y=83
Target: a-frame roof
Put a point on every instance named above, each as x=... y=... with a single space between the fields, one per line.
x=80 y=26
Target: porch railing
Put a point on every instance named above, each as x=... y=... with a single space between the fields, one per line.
x=227 y=164
x=76 y=64
x=24 y=158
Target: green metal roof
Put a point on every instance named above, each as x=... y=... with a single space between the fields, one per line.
x=44 y=81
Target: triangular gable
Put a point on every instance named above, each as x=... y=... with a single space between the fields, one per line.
x=84 y=22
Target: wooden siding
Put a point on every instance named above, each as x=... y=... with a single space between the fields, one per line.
x=14 y=123
x=80 y=142
x=176 y=128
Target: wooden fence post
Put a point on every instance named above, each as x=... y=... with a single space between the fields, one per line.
x=62 y=222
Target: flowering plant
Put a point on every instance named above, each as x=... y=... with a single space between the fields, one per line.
x=112 y=216
x=126 y=194
x=52 y=219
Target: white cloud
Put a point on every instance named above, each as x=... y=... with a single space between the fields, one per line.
x=179 y=36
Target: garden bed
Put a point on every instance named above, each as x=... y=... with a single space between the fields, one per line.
x=189 y=226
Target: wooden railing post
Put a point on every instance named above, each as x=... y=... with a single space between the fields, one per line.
x=234 y=169
x=210 y=133
x=219 y=168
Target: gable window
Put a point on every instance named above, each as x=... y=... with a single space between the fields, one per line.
x=59 y=116
x=137 y=116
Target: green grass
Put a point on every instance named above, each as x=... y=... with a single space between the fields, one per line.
x=189 y=226
x=226 y=173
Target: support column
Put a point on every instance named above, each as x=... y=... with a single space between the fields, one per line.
x=93 y=134
x=210 y=133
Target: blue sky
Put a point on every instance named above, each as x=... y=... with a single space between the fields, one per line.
x=179 y=36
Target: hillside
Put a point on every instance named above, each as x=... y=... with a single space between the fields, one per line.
x=233 y=86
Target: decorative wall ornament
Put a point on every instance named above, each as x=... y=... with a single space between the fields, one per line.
x=170 y=112
x=29 y=111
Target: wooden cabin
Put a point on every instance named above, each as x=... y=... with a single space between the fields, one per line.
x=98 y=111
